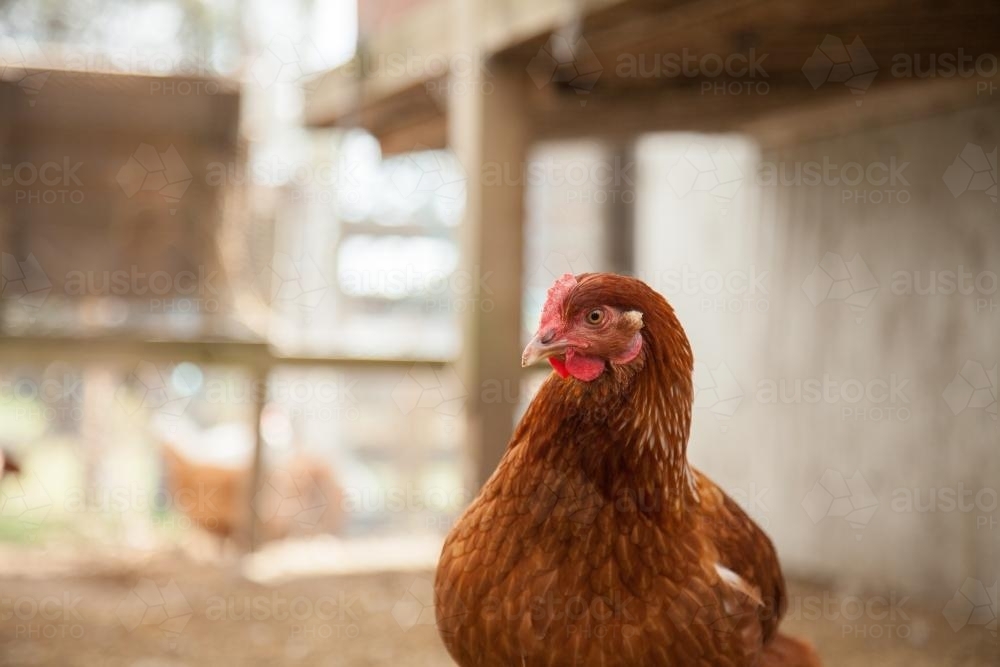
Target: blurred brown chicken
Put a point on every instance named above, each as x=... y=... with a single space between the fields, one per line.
x=299 y=497
x=8 y=464
x=594 y=542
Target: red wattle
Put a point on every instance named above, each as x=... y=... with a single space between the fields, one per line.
x=560 y=367
x=584 y=367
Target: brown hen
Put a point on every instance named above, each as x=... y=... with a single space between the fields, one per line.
x=594 y=542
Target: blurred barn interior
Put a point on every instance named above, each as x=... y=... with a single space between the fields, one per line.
x=267 y=270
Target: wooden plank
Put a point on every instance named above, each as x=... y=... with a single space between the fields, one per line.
x=115 y=102
x=885 y=105
x=619 y=115
x=104 y=349
x=787 y=31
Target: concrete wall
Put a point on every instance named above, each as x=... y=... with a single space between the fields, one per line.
x=786 y=286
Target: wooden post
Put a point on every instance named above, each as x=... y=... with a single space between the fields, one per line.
x=621 y=209
x=487 y=129
x=261 y=375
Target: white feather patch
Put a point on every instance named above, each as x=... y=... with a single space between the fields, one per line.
x=737 y=582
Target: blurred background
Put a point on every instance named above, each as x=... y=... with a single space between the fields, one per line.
x=267 y=270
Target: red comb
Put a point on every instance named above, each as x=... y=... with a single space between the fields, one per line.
x=552 y=310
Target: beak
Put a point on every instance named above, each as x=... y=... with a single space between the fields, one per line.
x=542 y=346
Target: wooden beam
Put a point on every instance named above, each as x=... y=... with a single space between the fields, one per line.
x=885 y=105
x=101 y=349
x=787 y=30
x=111 y=102
x=422 y=133
x=622 y=114
x=116 y=348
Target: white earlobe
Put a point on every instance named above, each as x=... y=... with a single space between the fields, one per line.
x=634 y=317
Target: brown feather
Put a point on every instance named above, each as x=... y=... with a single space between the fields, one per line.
x=594 y=542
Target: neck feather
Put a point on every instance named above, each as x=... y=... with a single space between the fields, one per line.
x=627 y=431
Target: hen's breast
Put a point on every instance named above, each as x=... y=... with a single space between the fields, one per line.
x=545 y=569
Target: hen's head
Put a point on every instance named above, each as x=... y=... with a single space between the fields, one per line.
x=596 y=321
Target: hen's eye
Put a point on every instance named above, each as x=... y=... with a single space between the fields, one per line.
x=595 y=316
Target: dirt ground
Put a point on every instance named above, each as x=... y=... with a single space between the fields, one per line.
x=171 y=612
